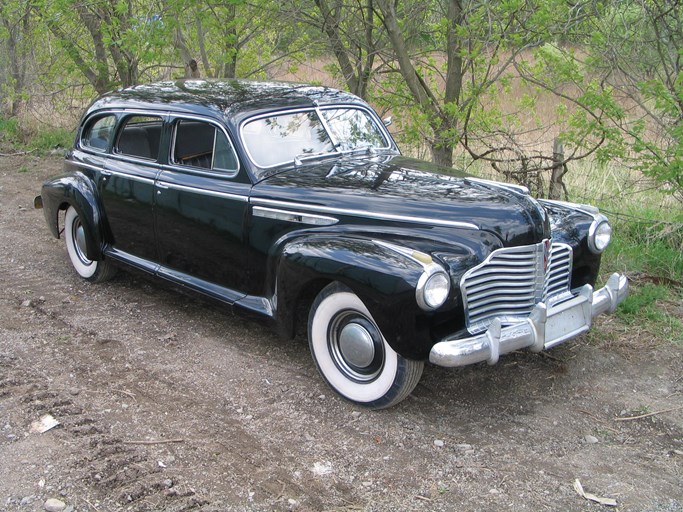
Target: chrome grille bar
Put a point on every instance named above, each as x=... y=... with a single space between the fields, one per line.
x=511 y=281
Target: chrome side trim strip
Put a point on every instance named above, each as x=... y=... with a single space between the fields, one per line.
x=289 y=216
x=213 y=193
x=370 y=215
x=109 y=172
x=520 y=189
x=79 y=163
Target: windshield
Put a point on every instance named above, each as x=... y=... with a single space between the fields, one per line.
x=287 y=137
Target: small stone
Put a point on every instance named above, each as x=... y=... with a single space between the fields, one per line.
x=54 y=505
x=27 y=303
x=356 y=414
x=168 y=483
x=464 y=446
x=26 y=500
x=494 y=491
x=591 y=439
x=321 y=397
x=438 y=443
x=74 y=391
x=248 y=417
x=293 y=504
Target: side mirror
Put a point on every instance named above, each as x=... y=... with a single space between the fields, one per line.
x=387 y=121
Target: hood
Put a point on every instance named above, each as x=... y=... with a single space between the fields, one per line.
x=394 y=188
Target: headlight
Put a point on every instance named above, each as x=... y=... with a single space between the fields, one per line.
x=432 y=290
x=599 y=235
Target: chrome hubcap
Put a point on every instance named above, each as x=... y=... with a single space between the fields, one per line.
x=79 y=241
x=356 y=345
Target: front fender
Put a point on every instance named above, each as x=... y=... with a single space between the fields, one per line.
x=383 y=279
x=79 y=191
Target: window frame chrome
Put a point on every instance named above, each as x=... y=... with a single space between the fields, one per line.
x=318 y=109
x=173 y=119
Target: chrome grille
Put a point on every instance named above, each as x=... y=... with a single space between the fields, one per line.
x=511 y=281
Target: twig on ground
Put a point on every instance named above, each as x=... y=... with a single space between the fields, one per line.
x=162 y=441
x=124 y=392
x=629 y=418
x=600 y=420
x=19 y=153
x=93 y=506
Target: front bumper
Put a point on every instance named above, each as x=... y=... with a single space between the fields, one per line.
x=545 y=327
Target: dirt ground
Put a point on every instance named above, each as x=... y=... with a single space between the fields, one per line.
x=166 y=403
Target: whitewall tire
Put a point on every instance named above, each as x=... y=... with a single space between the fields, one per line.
x=74 y=234
x=352 y=355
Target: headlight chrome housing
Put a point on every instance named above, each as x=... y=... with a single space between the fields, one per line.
x=432 y=289
x=434 y=284
x=599 y=235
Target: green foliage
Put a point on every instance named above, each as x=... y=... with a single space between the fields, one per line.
x=635 y=49
x=650 y=249
x=10 y=133
x=43 y=141
x=48 y=139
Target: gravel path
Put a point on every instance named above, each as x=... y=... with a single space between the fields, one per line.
x=166 y=402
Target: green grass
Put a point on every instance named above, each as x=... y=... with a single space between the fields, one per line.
x=42 y=140
x=10 y=133
x=647 y=245
x=47 y=139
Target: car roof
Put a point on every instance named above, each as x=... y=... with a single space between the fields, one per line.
x=230 y=98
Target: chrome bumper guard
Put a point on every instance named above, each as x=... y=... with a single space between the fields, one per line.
x=544 y=328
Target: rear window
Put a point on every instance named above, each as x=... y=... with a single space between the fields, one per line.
x=139 y=137
x=97 y=132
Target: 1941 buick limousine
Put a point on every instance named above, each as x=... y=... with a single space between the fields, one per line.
x=278 y=198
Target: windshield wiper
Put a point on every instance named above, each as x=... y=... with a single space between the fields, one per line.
x=298 y=159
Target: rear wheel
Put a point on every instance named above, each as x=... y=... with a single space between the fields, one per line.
x=352 y=355
x=74 y=233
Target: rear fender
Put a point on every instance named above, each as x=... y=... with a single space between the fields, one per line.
x=79 y=191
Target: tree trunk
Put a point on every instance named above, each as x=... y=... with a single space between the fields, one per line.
x=442 y=154
x=201 y=40
x=331 y=28
x=556 y=186
x=191 y=69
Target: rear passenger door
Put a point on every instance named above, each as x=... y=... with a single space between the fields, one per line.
x=201 y=200
x=127 y=185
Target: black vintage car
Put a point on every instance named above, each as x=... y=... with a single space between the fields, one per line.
x=279 y=198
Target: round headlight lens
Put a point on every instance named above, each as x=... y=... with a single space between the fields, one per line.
x=601 y=237
x=436 y=290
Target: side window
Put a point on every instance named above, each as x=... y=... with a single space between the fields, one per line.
x=202 y=145
x=97 y=132
x=139 y=137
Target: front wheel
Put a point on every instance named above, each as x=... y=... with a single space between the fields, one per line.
x=352 y=355
x=74 y=233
